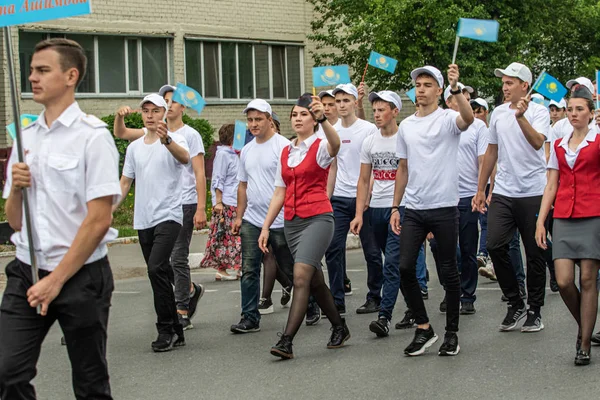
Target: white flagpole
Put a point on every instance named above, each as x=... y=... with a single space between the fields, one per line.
x=535 y=83
x=596 y=94
x=455 y=49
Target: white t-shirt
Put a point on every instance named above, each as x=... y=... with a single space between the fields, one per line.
x=298 y=154
x=194 y=141
x=473 y=143
x=158 y=182
x=521 y=168
x=430 y=146
x=379 y=152
x=224 y=175
x=321 y=132
x=570 y=155
x=348 y=158
x=563 y=128
x=258 y=166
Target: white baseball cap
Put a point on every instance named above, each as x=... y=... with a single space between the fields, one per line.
x=460 y=86
x=386 y=95
x=515 y=70
x=258 y=105
x=166 y=89
x=581 y=81
x=347 y=88
x=481 y=102
x=429 y=70
x=558 y=104
x=326 y=93
x=537 y=96
x=155 y=99
x=469 y=89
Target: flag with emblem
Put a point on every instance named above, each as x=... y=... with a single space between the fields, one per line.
x=26 y=120
x=412 y=95
x=330 y=76
x=380 y=61
x=239 y=135
x=548 y=86
x=188 y=97
x=485 y=30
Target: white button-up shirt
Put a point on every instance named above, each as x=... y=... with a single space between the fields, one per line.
x=570 y=155
x=72 y=162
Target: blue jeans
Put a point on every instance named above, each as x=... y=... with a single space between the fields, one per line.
x=344 y=210
x=467 y=242
x=483 y=223
x=421 y=264
x=252 y=258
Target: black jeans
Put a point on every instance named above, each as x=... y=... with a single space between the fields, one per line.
x=505 y=215
x=81 y=309
x=180 y=258
x=443 y=223
x=157 y=244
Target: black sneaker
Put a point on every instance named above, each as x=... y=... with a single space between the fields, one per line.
x=180 y=342
x=194 y=299
x=533 y=323
x=424 y=294
x=185 y=322
x=503 y=298
x=467 y=308
x=450 y=346
x=339 y=335
x=407 y=322
x=286 y=295
x=283 y=348
x=164 y=342
x=265 y=306
x=596 y=338
x=514 y=315
x=245 y=326
x=348 y=288
x=370 y=306
x=554 y=285
x=313 y=314
x=423 y=339
x=341 y=309
x=582 y=357
x=381 y=327
x=443 y=306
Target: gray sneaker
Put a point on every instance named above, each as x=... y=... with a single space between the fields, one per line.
x=514 y=315
x=533 y=323
x=185 y=322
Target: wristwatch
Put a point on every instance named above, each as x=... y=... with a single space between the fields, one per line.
x=322 y=119
x=455 y=92
x=168 y=140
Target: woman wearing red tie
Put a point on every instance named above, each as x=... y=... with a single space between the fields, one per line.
x=574 y=173
x=301 y=188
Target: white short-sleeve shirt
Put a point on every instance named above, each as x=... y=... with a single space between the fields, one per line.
x=71 y=162
x=194 y=141
x=348 y=158
x=224 y=175
x=570 y=155
x=563 y=128
x=298 y=154
x=521 y=168
x=321 y=133
x=430 y=146
x=473 y=144
x=258 y=166
x=158 y=182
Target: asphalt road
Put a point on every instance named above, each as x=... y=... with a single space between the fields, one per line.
x=216 y=364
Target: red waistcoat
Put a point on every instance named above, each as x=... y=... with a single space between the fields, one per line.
x=578 y=194
x=306 y=185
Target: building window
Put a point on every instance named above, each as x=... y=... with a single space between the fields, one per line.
x=242 y=70
x=116 y=64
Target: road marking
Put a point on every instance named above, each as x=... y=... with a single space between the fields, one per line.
x=235 y=291
x=355 y=270
x=124 y=292
x=210 y=290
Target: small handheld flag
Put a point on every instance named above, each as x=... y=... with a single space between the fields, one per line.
x=239 y=135
x=330 y=76
x=412 y=95
x=549 y=87
x=478 y=29
x=188 y=97
x=26 y=120
x=597 y=92
x=380 y=61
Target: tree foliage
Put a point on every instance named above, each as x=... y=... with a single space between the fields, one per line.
x=556 y=35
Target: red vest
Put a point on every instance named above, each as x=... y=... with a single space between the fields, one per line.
x=578 y=194
x=306 y=185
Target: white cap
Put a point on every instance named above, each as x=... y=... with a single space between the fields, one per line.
x=480 y=102
x=166 y=89
x=537 y=96
x=258 y=105
x=326 y=93
x=347 y=88
x=558 y=104
x=469 y=89
x=155 y=99
x=429 y=70
x=515 y=70
x=581 y=81
x=449 y=88
x=386 y=95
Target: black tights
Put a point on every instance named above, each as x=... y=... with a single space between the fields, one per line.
x=272 y=272
x=582 y=305
x=309 y=280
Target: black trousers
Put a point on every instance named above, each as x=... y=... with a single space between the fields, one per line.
x=443 y=223
x=157 y=244
x=505 y=215
x=81 y=309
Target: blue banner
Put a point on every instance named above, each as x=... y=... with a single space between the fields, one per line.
x=330 y=76
x=548 y=86
x=26 y=120
x=412 y=95
x=188 y=97
x=380 y=61
x=478 y=29
x=239 y=135
x=18 y=12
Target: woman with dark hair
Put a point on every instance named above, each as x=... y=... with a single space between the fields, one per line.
x=223 y=248
x=574 y=173
x=301 y=188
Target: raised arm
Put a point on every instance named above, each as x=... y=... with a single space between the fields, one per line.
x=119 y=128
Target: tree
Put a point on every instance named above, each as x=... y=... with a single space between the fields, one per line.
x=558 y=36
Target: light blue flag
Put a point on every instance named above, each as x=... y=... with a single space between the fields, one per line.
x=18 y=12
x=478 y=29
x=26 y=120
x=597 y=83
x=188 y=97
x=380 y=61
x=412 y=95
x=548 y=86
x=330 y=76
x=239 y=135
